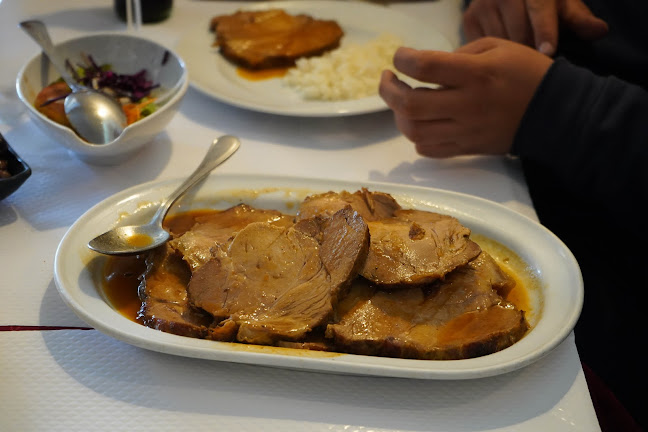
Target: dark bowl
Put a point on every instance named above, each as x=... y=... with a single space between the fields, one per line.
x=19 y=171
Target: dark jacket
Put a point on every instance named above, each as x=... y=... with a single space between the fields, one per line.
x=583 y=143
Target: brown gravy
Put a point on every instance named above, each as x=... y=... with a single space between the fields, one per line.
x=120 y=280
x=261 y=74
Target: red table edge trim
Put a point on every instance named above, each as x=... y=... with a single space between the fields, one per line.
x=32 y=328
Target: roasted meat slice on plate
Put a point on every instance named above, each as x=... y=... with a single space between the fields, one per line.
x=460 y=317
x=218 y=228
x=408 y=247
x=273 y=38
x=371 y=206
x=416 y=247
x=163 y=291
x=275 y=283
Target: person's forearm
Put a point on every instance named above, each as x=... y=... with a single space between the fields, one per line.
x=590 y=132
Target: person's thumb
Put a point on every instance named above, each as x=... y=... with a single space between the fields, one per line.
x=543 y=15
x=580 y=19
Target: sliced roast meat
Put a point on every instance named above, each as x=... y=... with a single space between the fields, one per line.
x=273 y=38
x=461 y=317
x=273 y=281
x=416 y=247
x=163 y=291
x=344 y=243
x=270 y=283
x=408 y=247
x=370 y=205
x=218 y=228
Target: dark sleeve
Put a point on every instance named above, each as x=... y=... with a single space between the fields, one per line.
x=589 y=133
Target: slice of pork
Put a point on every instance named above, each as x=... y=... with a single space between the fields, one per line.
x=344 y=244
x=274 y=283
x=273 y=38
x=163 y=291
x=218 y=228
x=370 y=205
x=463 y=317
x=416 y=247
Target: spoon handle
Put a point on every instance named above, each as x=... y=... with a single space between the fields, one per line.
x=220 y=150
x=37 y=30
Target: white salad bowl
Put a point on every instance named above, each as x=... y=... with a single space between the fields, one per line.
x=127 y=55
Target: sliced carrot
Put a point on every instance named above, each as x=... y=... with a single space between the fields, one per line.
x=133 y=111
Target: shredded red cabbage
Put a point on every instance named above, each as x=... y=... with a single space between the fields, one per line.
x=135 y=86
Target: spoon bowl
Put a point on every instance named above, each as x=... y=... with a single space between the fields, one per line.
x=128 y=240
x=95 y=116
x=135 y=239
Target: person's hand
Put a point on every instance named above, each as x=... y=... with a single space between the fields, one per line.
x=531 y=22
x=486 y=87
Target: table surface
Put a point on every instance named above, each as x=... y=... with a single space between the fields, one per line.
x=57 y=375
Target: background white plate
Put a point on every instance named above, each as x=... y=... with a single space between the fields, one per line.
x=76 y=271
x=210 y=73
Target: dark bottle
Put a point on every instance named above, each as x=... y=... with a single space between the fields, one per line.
x=152 y=10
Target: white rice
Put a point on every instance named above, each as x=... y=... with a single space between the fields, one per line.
x=349 y=72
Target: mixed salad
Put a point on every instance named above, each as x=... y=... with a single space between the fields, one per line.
x=132 y=91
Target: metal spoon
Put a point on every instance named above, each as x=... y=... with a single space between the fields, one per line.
x=95 y=116
x=134 y=239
